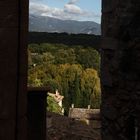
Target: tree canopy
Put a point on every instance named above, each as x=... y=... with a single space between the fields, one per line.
x=73 y=70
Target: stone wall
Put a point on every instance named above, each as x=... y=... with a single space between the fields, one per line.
x=89 y=116
x=64 y=128
x=13 y=69
x=83 y=113
x=36 y=113
x=120 y=69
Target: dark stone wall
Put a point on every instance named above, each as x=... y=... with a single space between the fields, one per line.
x=13 y=69
x=37 y=113
x=120 y=69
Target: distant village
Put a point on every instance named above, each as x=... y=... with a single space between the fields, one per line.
x=83 y=114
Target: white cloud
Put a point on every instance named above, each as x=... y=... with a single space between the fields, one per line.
x=72 y=1
x=71 y=8
x=70 y=11
x=39 y=9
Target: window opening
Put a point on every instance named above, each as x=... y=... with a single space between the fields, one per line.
x=63 y=55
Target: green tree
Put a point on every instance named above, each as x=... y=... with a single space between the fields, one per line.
x=53 y=106
x=48 y=58
x=74 y=70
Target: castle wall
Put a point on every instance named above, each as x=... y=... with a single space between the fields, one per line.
x=120 y=69
x=13 y=69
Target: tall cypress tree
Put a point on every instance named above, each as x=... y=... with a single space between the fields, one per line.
x=78 y=97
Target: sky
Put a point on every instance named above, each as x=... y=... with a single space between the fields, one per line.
x=82 y=10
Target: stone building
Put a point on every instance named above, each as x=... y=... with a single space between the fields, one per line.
x=89 y=116
x=57 y=97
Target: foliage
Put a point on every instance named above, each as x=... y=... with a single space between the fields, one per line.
x=73 y=70
x=53 y=106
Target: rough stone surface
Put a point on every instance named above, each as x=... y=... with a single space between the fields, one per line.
x=13 y=71
x=65 y=128
x=120 y=69
x=83 y=113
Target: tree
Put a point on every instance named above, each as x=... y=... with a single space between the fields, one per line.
x=90 y=86
x=53 y=106
x=48 y=58
x=73 y=70
x=88 y=58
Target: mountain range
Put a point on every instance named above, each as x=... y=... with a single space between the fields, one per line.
x=50 y=24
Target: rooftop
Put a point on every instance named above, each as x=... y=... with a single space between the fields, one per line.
x=82 y=113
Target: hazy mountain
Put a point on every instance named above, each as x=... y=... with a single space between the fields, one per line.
x=50 y=24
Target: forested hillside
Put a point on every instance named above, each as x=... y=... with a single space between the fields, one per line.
x=73 y=70
x=65 y=38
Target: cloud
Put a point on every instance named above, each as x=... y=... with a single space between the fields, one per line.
x=69 y=11
x=73 y=1
x=38 y=9
x=71 y=8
